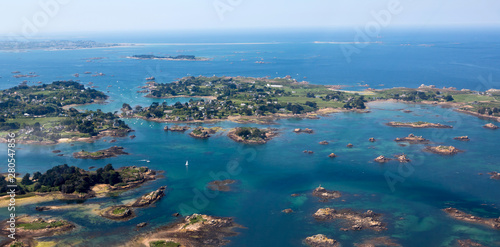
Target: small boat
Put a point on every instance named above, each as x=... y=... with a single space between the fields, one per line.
x=187 y=163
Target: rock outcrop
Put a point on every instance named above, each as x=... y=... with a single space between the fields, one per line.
x=332 y=155
x=372 y=139
x=287 y=211
x=402 y=158
x=326 y=194
x=149 y=198
x=324 y=143
x=490 y=126
x=306 y=130
x=444 y=150
x=381 y=159
x=462 y=216
x=321 y=240
x=202 y=133
x=412 y=139
x=356 y=221
x=350 y=145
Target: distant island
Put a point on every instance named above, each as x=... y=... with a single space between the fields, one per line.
x=54 y=45
x=178 y=57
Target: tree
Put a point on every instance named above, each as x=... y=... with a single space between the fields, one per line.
x=26 y=179
x=449 y=98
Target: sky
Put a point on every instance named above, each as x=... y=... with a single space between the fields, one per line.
x=40 y=17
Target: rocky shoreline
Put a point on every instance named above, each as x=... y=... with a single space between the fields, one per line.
x=192 y=231
x=29 y=228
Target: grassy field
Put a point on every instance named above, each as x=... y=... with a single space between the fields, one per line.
x=302 y=100
x=32 y=120
x=464 y=98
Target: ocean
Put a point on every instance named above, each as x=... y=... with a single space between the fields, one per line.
x=410 y=197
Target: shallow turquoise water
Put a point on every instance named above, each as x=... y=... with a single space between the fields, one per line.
x=269 y=173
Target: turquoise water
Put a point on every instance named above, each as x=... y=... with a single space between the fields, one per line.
x=269 y=173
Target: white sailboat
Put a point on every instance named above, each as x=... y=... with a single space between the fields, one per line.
x=187 y=163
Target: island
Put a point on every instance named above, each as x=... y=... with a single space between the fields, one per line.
x=43 y=114
x=203 y=133
x=462 y=216
x=356 y=221
x=412 y=139
x=242 y=99
x=419 y=124
x=30 y=228
x=169 y=58
x=444 y=150
x=320 y=240
x=251 y=135
x=101 y=154
x=191 y=231
x=54 y=45
x=325 y=194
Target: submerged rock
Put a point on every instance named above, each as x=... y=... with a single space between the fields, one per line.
x=143 y=224
x=462 y=138
x=287 y=211
x=321 y=240
x=468 y=243
x=176 y=128
x=377 y=242
x=495 y=175
x=221 y=185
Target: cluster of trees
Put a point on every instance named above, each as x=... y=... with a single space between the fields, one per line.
x=356 y=103
x=71 y=179
x=248 y=133
x=488 y=110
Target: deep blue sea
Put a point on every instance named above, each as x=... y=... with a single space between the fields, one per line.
x=270 y=173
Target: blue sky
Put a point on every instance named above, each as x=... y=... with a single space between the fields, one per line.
x=152 y=15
